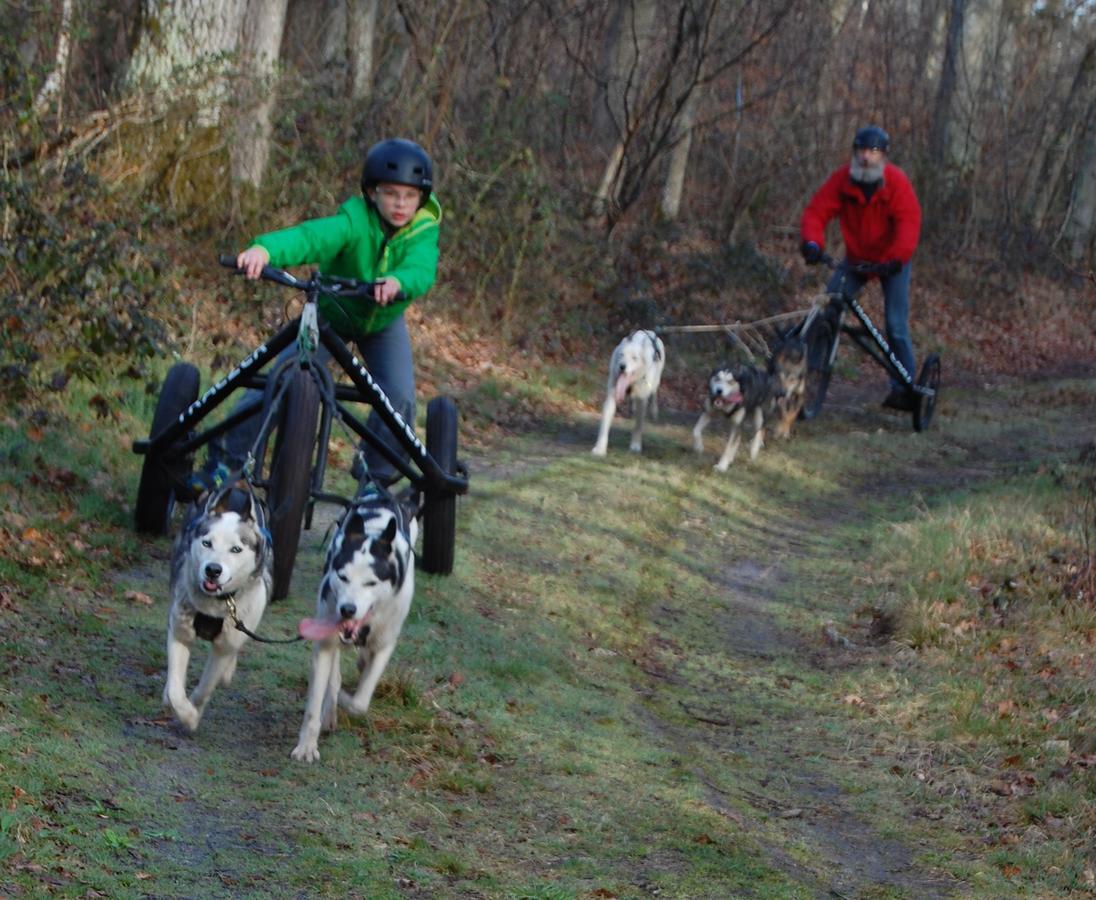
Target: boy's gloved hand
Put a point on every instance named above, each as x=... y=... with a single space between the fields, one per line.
x=252 y=260
x=890 y=268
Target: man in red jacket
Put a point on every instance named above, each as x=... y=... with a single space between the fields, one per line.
x=880 y=220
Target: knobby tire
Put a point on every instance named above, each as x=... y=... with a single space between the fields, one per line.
x=440 y=504
x=159 y=474
x=924 y=407
x=291 y=474
x=819 y=339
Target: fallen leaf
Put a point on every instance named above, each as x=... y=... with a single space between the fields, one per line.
x=138 y=597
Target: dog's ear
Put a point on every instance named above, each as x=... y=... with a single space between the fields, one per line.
x=354 y=527
x=257 y=510
x=247 y=506
x=220 y=500
x=389 y=534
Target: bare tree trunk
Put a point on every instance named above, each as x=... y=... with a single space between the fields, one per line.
x=261 y=41
x=630 y=38
x=361 y=29
x=940 y=139
x=678 y=167
x=606 y=190
x=1055 y=146
x=1080 y=227
x=54 y=85
x=187 y=47
x=335 y=30
x=392 y=68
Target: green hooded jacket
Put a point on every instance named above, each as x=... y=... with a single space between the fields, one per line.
x=353 y=244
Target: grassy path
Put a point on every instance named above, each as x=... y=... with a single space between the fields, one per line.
x=643 y=678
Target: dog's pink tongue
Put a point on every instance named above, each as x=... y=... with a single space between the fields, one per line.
x=623 y=382
x=317 y=629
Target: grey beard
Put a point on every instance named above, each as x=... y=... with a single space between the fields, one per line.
x=866 y=174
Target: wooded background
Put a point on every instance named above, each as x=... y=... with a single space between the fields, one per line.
x=561 y=129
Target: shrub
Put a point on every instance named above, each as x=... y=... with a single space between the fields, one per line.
x=79 y=291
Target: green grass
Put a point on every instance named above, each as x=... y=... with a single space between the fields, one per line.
x=624 y=685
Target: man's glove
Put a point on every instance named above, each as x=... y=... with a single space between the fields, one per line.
x=890 y=268
x=812 y=253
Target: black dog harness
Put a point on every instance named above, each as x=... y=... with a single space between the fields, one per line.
x=207 y=627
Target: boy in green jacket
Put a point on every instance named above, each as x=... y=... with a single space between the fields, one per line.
x=388 y=236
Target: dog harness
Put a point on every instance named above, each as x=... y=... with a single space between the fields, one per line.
x=653 y=338
x=207 y=627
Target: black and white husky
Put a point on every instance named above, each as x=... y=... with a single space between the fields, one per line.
x=746 y=392
x=221 y=561
x=635 y=371
x=364 y=597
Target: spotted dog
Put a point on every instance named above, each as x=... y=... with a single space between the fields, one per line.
x=364 y=596
x=221 y=567
x=635 y=370
x=743 y=393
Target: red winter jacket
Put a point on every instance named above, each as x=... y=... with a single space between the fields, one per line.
x=878 y=230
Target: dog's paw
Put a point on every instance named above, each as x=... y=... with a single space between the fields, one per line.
x=722 y=466
x=306 y=752
x=352 y=706
x=599 y=450
x=188 y=715
x=635 y=448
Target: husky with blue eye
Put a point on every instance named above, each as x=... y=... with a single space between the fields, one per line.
x=221 y=567
x=363 y=599
x=739 y=393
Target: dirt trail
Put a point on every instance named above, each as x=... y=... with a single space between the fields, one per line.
x=797 y=798
x=791 y=794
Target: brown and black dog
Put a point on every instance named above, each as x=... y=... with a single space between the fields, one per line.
x=788 y=365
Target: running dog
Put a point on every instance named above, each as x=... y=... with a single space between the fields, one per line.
x=635 y=370
x=221 y=567
x=742 y=393
x=364 y=596
x=788 y=365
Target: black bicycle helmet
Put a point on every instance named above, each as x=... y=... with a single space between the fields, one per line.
x=398 y=161
x=871 y=137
